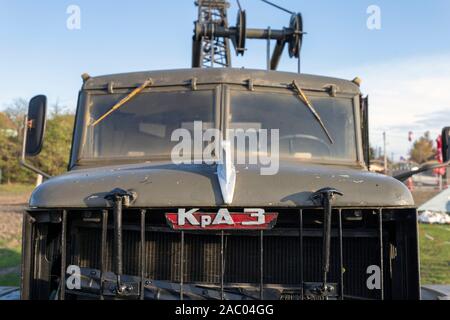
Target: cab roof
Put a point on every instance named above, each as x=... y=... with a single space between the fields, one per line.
x=217 y=76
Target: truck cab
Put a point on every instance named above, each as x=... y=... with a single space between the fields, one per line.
x=228 y=184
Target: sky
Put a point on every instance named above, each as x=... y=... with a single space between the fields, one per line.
x=404 y=65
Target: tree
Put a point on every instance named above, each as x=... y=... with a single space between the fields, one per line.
x=16 y=112
x=10 y=144
x=55 y=153
x=54 y=157
x=10 y=148
x=423 y=149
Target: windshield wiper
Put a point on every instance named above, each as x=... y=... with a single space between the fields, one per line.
x=308 y=103
x=119 y=104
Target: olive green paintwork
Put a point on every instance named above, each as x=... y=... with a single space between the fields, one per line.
x=163 y=184
x=169 y=185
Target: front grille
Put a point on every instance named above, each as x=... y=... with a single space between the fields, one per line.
x=281 y=248
x=283 y=263
x=202 y=258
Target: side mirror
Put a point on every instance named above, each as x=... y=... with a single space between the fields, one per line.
x=446 y=144
x=35 y=126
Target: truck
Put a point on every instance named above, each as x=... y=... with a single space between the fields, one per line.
x=131 y=223
x=219 y=184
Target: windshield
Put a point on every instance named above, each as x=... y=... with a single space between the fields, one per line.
x=143 y=127
x=301 y=135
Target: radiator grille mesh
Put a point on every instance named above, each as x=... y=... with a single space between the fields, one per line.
x=241 y=255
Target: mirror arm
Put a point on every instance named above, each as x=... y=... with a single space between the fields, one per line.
x=405 y=176
x=23 y=158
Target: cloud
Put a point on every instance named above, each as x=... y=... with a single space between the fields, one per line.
x=436 y=119
x=411 y=94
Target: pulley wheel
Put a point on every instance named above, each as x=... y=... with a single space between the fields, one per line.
x=241 y=33
x=296 y=40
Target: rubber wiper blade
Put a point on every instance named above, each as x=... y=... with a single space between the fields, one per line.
x=310 y=106
x=119 y=104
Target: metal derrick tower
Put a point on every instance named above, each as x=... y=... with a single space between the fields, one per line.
x=212 y=50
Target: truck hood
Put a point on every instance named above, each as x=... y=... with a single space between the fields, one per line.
x=170 y=185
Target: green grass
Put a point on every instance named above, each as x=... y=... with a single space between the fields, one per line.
x=435 y=254
x=9 y=257
x=10 y=280
x=15 y=189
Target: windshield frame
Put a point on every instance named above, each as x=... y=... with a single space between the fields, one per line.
x=221 y=109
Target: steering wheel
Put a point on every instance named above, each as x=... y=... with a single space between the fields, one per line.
x=293 y=137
